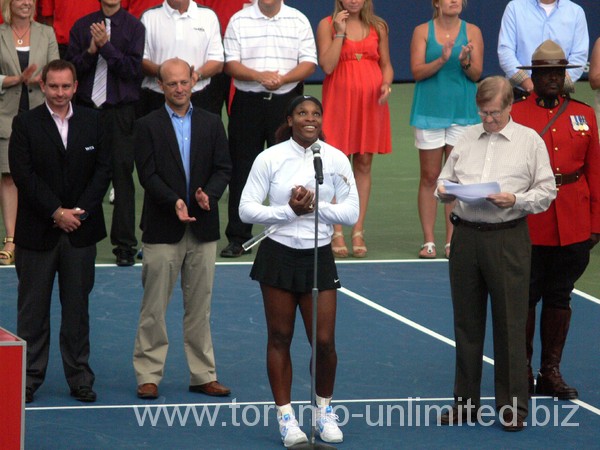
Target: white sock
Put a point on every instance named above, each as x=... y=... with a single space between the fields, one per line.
x=323 y=401
x=285 y=409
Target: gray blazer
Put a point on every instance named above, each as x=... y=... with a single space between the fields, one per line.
x=43 y=49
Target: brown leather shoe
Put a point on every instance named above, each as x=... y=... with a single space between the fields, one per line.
x=459 y=414
x=148 y=391
x=213 y=388
x=510 y=422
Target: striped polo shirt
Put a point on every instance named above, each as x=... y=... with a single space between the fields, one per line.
x=264 y=43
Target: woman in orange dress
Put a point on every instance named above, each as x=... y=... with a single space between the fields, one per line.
x=354 y=54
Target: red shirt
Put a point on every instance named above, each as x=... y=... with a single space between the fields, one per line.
x=137 y=7
x=224 y=9
x=66 y=13
x=575 y=214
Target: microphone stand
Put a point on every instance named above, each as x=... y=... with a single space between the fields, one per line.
x=313 y=360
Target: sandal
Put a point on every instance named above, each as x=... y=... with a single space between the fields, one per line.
x=339 y=251
x=428 y=251
x=359 y=251
x=447 y=250
x=7 y=257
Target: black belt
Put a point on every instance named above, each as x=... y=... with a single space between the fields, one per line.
x=566 y=178
x=484 y=226
x=263 y=95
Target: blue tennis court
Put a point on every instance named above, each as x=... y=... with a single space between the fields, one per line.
x=396 y=369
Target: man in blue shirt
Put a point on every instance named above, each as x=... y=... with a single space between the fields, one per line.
x=183 y=163
x=528 y=23
x=106 y=48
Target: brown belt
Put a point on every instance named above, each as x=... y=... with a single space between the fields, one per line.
x=485 y=226
x=566 y=178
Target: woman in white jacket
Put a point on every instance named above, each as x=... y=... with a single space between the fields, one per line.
x=284 y=174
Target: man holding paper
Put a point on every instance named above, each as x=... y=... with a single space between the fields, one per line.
x=491 y=251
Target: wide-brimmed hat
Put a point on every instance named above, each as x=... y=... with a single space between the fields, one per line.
x=548 y=54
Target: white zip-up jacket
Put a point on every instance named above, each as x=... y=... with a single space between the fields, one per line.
x=279 y=169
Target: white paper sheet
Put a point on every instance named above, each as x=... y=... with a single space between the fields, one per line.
x=471 y=193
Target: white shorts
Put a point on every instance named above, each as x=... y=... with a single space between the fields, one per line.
x=437 y=137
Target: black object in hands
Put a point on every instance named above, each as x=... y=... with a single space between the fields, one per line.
x=316 y=149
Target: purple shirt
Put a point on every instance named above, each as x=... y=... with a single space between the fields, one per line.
x=123 y=53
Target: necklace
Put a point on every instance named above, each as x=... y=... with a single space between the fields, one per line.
x=20 y=38
x=448 y=31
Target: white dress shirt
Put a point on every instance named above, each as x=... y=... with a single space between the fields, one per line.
x=515 y=157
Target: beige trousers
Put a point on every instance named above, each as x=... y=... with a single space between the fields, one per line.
x=162 y=265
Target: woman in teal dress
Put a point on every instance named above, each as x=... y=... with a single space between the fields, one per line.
x=446 y=61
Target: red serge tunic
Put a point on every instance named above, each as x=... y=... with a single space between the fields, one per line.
x=572 y=143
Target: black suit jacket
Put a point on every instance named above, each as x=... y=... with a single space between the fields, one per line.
x=48 y=176
x=161 y=173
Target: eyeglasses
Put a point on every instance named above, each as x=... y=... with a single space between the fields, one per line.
x=484 y=114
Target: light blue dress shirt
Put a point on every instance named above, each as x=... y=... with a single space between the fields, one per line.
x=183 y=130
x=525 y=26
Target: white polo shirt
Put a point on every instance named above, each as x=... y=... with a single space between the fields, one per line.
x=193 y=36
x=263 y=43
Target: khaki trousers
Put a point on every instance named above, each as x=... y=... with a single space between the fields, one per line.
x=162 y=265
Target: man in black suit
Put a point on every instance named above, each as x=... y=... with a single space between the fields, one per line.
x=183 y=163
x=62 y=172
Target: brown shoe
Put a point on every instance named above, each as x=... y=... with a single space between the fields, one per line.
x=510 y=422
x=213 y=388
x=459 y=414
x=148 y=391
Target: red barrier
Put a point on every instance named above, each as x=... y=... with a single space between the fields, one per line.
x=12 y=391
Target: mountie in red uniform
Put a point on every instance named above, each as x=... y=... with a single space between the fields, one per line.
x=573 y=147
x=560 y=235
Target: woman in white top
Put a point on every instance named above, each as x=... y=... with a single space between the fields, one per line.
x=284 y=174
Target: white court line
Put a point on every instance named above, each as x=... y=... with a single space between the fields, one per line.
x=234 y=403
x=582 y=294
x=587 y=406
x=302 y=402
x=587 y=296
x=435 y=335
x=404 y=320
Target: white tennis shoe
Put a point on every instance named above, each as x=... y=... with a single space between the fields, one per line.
x=291 y=434
x=327 y=427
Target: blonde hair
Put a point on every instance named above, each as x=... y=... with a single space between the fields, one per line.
x=491 y=87
x=436 y=3
x=367 y=15
x=7 y=13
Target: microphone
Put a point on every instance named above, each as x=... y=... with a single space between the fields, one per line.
x=316 y=149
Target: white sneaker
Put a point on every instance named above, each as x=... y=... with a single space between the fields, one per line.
x=291 y=434
x=327 y=427
x=111 y=196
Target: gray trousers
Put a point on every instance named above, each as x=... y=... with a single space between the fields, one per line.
x=495 y=263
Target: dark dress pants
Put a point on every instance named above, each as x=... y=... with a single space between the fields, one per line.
x=36 y=271
x=118 y=136
x=253 y=121
x=495 y=263
x=554 y=271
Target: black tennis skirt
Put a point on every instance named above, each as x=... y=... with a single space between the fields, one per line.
x=292 y=269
